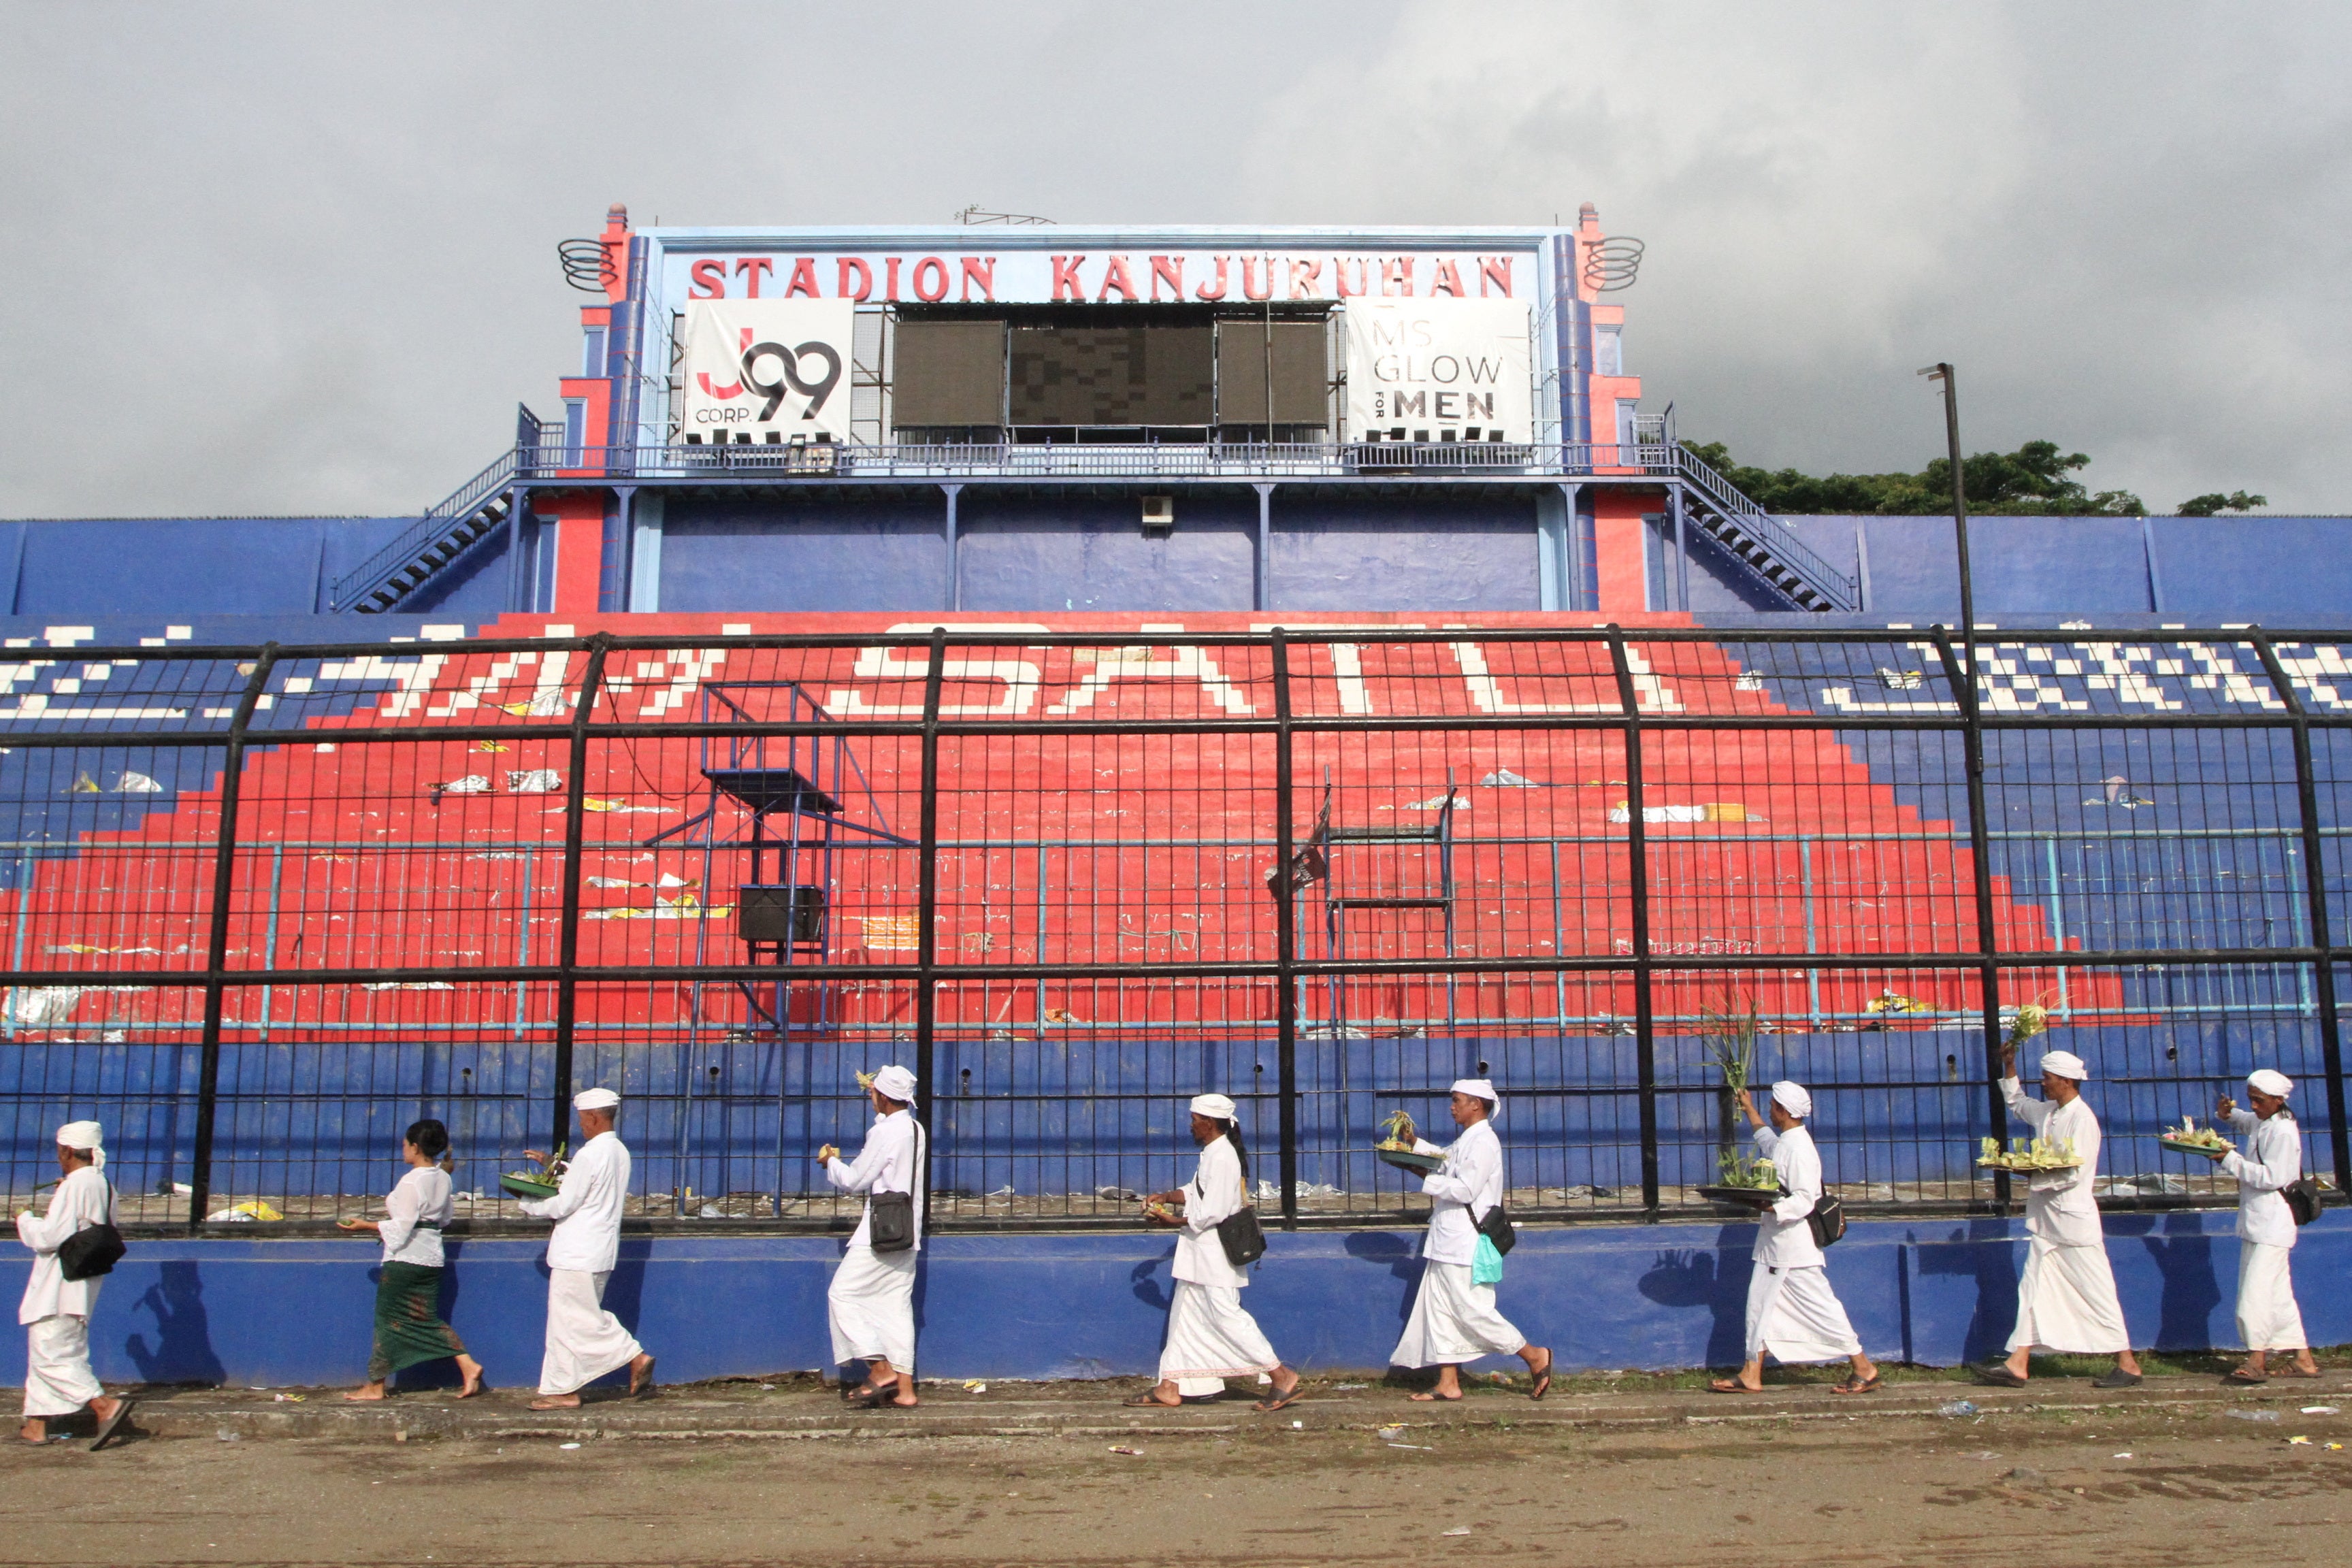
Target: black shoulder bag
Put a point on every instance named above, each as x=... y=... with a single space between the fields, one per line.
x=1496 y=1227
x=891 y=1215
x=1241 y=1236
x=1827 y=1222
x=94 y=1250
x=2302 y=1196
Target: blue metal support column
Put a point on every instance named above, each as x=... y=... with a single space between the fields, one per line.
x=954 y=595
x=1681 y=548
x=516 y=500
x=624 y=551
x=1261 y=591
x=1569 y=586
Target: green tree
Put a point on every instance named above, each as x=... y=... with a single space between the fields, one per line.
x=2036 y=480
x=2212 y=501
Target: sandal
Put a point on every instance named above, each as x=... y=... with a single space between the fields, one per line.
x=1856 y=1386
x=114 y=1423
x=1284 y=1400
x=1730 y=1386
x=1542 y=1384
x=2241 y=1378
x=1145 y=1400
x=1997 y=1376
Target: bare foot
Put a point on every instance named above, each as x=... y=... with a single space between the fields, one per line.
x=473 y=1371
x=366 y=1391
x=556 y=1402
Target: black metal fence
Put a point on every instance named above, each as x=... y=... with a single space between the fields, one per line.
x=268 y=905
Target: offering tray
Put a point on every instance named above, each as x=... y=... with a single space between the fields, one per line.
x=1742 y=1198
x=1406 y=1159
x=2209 y=1150
x=526 y=1187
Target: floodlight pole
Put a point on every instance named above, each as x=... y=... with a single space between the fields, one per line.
x=1940 y=372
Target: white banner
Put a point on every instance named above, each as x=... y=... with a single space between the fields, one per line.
x=767 y=369
x=1438 y=370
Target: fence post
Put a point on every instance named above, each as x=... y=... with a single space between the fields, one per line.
x=575 y=816
x=1285 y=939
x=200 y=1173
x=1637 y=848
x=1964 y=687
x=927 y=903
x=2315 y=879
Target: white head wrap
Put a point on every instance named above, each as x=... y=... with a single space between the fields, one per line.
x=1215 y=1107
x=1479 y=1088
x=2269 y=1080
x=895 y=1083
x=2066 y=1064
x=1790 y=1097
x=595 y=1100
x=87 y=1136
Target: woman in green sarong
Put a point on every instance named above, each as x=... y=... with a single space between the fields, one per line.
x=408 y=1326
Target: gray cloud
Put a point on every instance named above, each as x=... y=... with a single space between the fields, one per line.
x=300 y=258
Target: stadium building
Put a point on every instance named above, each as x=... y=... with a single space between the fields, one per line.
x=1096 y=666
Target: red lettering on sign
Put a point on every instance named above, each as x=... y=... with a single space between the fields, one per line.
x=1066 y=278
x=980 y=269
x=1339 y=278
x=1251 y=291
x=1205 y=293
x=803 y=278
x=754 y=267
x=865 y=279
x=709 y=280
x=1303 y=275
x=1447 y=281
x=890 y=278
x=1396 y=275
x=1171 y=269
x=936 y=270
x=1115 y=276
x=1495 y=270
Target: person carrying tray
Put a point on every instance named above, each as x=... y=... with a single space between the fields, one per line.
x=1210 y=1335
x=2268 y=1318
x=409 y=1328
x=55 y=1310
x=871 y=1306
x=1791 y=1310
x=1453 y=1318
x=583 y=1340
x=2066 y=1298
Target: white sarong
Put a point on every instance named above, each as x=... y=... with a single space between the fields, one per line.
x=2066 y=1301
x=870 y=1308
x=1454 y=1321
x=583 y=1340
x=1212 y=1337
x=1794 y=1313
x=58 y=1379
x=2268 y=1319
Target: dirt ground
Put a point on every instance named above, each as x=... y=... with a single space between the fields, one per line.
x=2159 y=1483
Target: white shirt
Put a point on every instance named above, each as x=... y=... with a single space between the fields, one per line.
x=586 y=1206
x=2273 y=1160
x=2059 y=1204
x=887 y=1164
x=1785 y=1240
x=423 y=1194
x=82 y=1199
x=1217 y=1193
x=1469 y=1184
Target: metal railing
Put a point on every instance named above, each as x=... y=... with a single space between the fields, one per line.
x=1074 y=879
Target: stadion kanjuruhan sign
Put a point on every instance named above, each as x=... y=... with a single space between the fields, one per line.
x=1439 y=369
x=763 y=368
x=1099 y=277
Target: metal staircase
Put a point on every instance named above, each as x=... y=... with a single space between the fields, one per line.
x=1766 y=547
x=433 y=544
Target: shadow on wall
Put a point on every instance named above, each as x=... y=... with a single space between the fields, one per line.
x=183 y=1350
x=2185 y=1259
x=1978 y=1250
x=1717 y=1281
x=1396 y=1251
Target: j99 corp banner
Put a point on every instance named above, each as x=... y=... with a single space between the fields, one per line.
x=767 y=370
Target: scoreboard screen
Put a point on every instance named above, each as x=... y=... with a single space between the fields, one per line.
x=1113 y=375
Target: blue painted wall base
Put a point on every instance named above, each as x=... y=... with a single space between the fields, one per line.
x=1931 y=1291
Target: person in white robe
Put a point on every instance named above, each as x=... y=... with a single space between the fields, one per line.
x=1210 y=1335
x=1455 y=1317
x=55 y=1310
x=584 y=1342
x=2066 y=1297
x=2269 y=1321
x=870 y=1305
x=1791 y=1311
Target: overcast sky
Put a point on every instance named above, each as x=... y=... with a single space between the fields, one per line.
x=300 y=258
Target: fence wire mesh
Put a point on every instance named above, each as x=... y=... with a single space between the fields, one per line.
x=265 y=907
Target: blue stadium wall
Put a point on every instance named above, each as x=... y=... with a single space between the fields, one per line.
x=722 y=554
x=1933 y=1292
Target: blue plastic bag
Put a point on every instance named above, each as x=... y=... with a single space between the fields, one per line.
x=1486 y=1264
